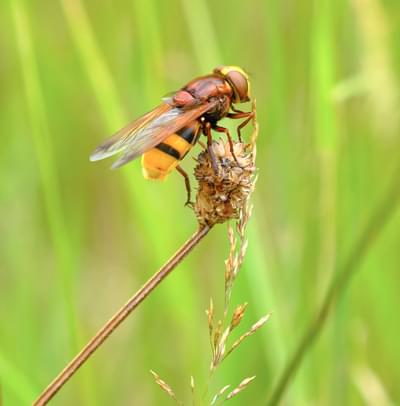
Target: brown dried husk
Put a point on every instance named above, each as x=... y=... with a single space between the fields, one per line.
x=222 y=195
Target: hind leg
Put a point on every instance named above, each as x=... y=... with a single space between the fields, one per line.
x=207 y=133
x=187 y=185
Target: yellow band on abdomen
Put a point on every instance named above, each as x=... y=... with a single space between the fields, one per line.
x=157 y=163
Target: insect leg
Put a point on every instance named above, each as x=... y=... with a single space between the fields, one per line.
x=236 y=110
x=207 y=133
x=187 y=184
x=228 y=135
x=202 y=144
x=241 y=114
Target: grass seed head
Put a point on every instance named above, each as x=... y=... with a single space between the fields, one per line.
x=165 y=387
x=257 y=325
x=243 y=385
x=238 y=315
x=219 y=394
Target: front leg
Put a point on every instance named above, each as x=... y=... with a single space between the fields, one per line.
x=228 y=135
x=238 y=115
x=207 y=133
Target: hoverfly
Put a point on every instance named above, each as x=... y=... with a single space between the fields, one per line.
x=165 y=135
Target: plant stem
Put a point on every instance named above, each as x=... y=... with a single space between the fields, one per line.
x=379 y=218
x=119 y=317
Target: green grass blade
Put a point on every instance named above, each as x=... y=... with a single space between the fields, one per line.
x=14 y=381
x=202 y=34
x=65 y=259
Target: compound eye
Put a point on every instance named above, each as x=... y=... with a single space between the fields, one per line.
x=240 y=86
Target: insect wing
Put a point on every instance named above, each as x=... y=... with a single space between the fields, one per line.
x=155 y=131
x=121 y=139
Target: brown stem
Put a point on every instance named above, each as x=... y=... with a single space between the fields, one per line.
x=119 y=317
x=379 y=218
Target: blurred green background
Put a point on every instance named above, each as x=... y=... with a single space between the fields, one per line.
x=78 y=239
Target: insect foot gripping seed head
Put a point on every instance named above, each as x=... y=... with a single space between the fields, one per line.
x=223 y=193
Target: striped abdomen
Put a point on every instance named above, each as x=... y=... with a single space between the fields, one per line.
x=159 y=161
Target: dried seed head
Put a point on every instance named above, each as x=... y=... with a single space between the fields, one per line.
x=192 y=385
x=242 y=385
x=165 y=387
x=217 y=333
x=249 y=333
x=210 y=317
x=238 y=315
x=222 y=195
x=219 y=394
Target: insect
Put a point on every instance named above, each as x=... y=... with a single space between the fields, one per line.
x=165 y=135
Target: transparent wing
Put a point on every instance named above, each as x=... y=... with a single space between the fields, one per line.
x=148 y=131
x=119 y=141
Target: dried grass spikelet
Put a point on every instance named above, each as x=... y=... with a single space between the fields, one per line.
x=165 y=387
x=222 y=195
